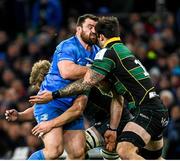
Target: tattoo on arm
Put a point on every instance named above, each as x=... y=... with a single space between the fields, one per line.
x=74 y=88
x=78 y=87
x=92 y=77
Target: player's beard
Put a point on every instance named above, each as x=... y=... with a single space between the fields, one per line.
x=90 y=39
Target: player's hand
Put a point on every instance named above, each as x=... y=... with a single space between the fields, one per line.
x=110 y=139
x=42 y=128
x=11 y=115
x=43 y=97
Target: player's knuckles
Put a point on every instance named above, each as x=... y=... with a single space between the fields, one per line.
x=35 y=134
x=105 y=134
x=33 y=131
x=34 y=128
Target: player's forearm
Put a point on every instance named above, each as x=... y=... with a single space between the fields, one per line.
x=116 y=112
x=77 y=87
x=90 y=79
x=26 y=115
x=65 y=118
x=74 y=112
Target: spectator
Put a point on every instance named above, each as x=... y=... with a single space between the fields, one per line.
x=173 y=135
x=46 y=13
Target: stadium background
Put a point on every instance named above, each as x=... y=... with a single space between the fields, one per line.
x=150 y=28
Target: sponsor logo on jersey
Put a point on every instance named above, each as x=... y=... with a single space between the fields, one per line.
x=100 y=54
x=44 y=117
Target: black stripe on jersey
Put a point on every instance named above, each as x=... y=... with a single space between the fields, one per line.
x=110 y=155
x=130 y=63
x=87 y=142
x=92 y=138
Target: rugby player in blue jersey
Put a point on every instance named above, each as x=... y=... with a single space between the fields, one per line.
x=95 y=112
x=130 y=79
x=69 y=63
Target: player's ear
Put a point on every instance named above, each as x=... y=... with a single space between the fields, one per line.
x=101 y=37
x=78 y=28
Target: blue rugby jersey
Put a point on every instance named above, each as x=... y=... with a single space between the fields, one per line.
x=70 y=49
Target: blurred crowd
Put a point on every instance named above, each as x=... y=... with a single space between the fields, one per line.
x=154 y=39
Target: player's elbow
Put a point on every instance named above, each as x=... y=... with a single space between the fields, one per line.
x=78 y=110
x=79 y=105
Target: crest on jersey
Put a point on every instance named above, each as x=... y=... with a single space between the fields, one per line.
x=100 y=54
x=44 y=117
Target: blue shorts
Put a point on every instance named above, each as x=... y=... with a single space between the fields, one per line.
x=51 y=110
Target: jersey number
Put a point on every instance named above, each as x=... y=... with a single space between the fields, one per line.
x=139 y=63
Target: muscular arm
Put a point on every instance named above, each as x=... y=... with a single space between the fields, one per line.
x=70 y=70
x=78 y=87
x=115 y=117
x=116 y=111
x=71 y=114
x=91 y=78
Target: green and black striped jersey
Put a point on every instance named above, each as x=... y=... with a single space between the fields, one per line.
x=125 y=71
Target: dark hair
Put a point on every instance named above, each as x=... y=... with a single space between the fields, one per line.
x=82 y=18
x=108 y=26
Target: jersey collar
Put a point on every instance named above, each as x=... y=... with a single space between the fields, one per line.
x=111 y=40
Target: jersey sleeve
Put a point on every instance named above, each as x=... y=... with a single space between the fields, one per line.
x=67 y=53
x=103 y=62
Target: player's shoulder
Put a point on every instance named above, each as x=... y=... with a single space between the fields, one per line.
x=101 y=53
x=66 y=44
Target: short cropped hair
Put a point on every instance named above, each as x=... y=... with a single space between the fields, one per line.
x=82 y=18
x=108 y=26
